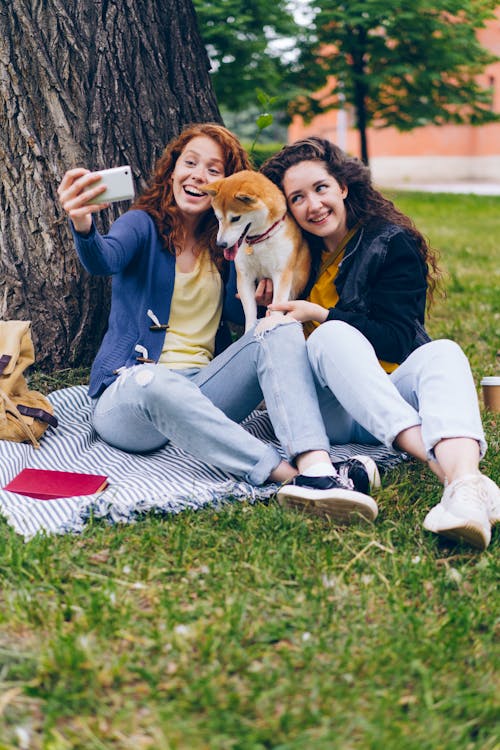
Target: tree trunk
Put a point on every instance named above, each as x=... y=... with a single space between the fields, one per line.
x=98 y=83
x=363 y=138
x=360 y=88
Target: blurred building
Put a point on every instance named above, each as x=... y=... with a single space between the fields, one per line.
x=445 y=153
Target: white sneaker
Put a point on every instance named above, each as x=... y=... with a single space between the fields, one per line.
x=462 y=513
x=493 y=499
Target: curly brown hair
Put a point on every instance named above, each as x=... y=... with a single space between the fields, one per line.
x=364 y=203
x=158 y=200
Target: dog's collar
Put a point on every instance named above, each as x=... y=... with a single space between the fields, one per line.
x=256 y=238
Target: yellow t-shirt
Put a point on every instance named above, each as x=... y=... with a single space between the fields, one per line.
x=324 y=293
x=195 y=314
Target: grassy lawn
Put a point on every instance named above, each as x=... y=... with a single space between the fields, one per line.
x=251 y=627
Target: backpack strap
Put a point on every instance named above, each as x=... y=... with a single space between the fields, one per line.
x=4 y=361
x=14 y=411
x=41 y=414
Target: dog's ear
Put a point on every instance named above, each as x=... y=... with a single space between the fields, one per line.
x=248 y=200
x=212 y=188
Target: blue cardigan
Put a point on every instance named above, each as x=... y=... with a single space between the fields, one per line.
x=143 y=275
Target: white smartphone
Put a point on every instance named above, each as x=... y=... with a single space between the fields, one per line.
x=119 y=185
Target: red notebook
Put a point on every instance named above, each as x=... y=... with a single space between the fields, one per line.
x=45 y=484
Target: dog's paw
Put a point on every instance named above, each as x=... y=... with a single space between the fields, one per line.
x=271 y=321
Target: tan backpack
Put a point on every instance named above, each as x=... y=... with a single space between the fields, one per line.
x=24 y=414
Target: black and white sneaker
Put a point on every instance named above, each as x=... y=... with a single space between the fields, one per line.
x=328 y=496
x=361 y=470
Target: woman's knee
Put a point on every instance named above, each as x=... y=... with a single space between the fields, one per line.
x=286 y=329
x=286 y=337
x=444 y=351
x=153 y=384
x=336 y=337
x=448 y=347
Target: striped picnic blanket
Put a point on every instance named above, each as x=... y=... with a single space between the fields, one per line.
x=168 y=480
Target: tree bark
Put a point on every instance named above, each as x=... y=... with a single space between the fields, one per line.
x=96 y=83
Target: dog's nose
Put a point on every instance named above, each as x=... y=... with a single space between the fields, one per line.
x=221 y=244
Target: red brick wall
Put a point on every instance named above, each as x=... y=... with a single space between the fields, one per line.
x=429 y=141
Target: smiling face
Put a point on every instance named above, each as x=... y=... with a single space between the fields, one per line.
x=316 y=201
x=201 y=161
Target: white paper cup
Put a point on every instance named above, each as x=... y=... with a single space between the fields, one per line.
x=491 y=392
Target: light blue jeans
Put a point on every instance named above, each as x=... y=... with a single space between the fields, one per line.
x=433 y=388
x=199 y=410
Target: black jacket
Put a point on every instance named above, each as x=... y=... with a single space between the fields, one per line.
x=382 y=289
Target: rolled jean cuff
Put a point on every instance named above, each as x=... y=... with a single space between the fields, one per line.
x=264 y=466
x=483 y=445
x=397 y=430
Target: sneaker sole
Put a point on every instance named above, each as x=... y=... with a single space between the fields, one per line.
x=344 y=506
x=469 y=532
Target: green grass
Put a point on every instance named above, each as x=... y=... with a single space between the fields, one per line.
x=465 y=230
x=251 y=627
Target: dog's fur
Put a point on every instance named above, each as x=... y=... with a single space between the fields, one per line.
x=250 y=207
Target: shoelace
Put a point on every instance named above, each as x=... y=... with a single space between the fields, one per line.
x=344 y=478
x=474 y=491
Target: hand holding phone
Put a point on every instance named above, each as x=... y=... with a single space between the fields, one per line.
x=119 y=185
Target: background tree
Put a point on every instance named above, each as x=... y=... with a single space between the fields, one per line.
x=251 y=45
x=82 y=82
x=406 y=64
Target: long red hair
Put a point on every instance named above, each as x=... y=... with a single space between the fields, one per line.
x=158 y=199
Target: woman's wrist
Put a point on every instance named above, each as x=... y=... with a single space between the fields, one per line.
x=83 y=227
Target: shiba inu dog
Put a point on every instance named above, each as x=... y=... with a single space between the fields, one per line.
x=256 y=231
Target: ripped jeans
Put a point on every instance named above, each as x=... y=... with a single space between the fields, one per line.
x=199 y=410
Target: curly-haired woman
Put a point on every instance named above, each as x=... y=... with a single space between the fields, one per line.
x=379 y=376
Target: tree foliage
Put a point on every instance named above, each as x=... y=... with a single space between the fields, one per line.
x=241 y=42
x=406 y=65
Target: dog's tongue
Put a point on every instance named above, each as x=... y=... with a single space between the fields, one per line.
x=230 y=252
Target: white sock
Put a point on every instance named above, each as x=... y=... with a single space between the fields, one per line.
x=320 y=469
